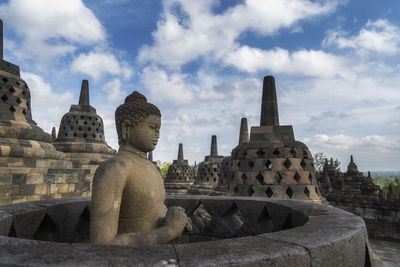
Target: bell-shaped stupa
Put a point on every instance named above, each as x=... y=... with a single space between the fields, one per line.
x=179 y=176
x=273 y=164
x=81 y=134
x=208 y=171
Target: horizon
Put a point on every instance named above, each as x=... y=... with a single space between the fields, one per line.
x=335 y=65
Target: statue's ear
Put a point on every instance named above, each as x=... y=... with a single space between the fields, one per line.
x=125 y=130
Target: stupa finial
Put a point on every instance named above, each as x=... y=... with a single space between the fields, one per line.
x=244 y=131
x=84 y=97
x=180 y=152
x=1 y=39
x=53 y=134
x=269 y=104
x=214 y=149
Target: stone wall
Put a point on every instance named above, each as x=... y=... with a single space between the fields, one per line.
x=27 y=179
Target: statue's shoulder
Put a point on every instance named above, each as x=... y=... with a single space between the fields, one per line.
x=112 y=166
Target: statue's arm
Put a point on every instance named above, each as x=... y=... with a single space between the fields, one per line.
x=108 y=186
x=174 y=223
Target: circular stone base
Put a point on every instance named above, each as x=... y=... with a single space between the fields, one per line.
x=317 y=235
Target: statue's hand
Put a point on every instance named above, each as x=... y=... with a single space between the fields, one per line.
x=176 y=219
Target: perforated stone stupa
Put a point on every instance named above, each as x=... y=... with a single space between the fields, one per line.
x=179 y=176
x=208 y=171
x=81 y=134
x=30 y=167
x=273 y=164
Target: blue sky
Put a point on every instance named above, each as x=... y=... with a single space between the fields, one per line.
x=336 y=66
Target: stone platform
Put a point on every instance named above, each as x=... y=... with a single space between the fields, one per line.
x=257 y=232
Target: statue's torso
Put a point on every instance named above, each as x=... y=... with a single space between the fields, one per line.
x=143 y=196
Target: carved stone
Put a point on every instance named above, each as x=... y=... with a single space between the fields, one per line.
x=179 y=176
x=81 y=134
x=273 y=164
x=208 y=171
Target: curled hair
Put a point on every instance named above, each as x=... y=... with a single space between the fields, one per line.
x=135 y=110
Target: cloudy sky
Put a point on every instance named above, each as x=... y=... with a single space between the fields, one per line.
x=336 y=65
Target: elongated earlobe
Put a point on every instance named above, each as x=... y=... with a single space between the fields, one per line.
x=125 y=130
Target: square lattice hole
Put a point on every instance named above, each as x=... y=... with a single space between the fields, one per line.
x=268 y=165
x=293 y=152
x=12 y=109
x=11 y=90
x=250 y=191
x=5 y=80
x=278 y=177
x=289 y=192
x=260 y=178
x=297 y=177
x=244 y=177
x=251 y=164
x=277 y=152
x=260 y=153
x=269 y=192
x=303 y=163
x=4 y=98
x=287 y=163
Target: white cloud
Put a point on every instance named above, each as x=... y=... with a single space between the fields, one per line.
x=97 y=64
x=51 y=28
x=379 y=36
x=114 y=92
x=166 y=87
x=189 y=30
x=41 y=95
x=368 y=150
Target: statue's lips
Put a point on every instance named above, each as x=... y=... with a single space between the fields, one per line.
x=155 y=142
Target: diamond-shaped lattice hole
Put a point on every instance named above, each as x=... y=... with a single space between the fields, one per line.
x=278 y=177
x=251 y=164
x=260 y=153
x=244 y=154
x=244 y=177
x=238 y=164
x=11 y=90
x=303 y=163
x=310 y=177
x=12 y=109
x=250 y=191
x=287 y=163
x=19 y=100
x=293 y=152
x=5 y=80
x=24 y=112
x=260 y=178
x=4 y=98
x=269 y=192
x=276 y=152
x=289 y=192
x=307 y=192
x=297 y=177
x=268 y=164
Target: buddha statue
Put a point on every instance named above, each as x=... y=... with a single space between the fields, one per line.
x=128 y=191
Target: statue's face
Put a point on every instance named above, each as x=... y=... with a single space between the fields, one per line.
x=144 y=136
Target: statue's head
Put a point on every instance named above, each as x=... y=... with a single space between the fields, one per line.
x=138 y=122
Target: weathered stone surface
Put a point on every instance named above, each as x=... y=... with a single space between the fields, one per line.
x=179 y=176
x=329 y=236
x=272 y=164
x=208 y=171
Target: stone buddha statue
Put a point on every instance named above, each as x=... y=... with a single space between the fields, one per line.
x=128 y=191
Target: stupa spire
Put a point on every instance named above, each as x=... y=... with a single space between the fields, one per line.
x=269 y=104
x=84 y=97
x=244 y=131
x=180 y=152
x=214 y=149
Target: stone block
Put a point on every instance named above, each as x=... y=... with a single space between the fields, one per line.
x=16 y=162
x=60 y=178
x=19 y=170
x=27 y=189
x=33 y=198
x=5 y=178
x=53 y=188
x=18 y=179
x=34 y=179
x=71 y=187
x=63 y=188
x=18 y=199
x=41 y=189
